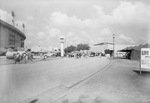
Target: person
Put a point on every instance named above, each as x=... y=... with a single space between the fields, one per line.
x=17 y=57
x=44 y=56
x=30 y=56
x=24 y=57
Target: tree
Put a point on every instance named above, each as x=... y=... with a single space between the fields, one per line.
x=82 y=47
x=77 y=48
x=70 y=49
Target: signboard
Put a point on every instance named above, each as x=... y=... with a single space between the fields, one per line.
x=145 y=58
x=62 y=39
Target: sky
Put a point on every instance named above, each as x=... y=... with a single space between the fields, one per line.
x=80 y=21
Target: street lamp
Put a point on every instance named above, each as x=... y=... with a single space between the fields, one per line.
x=113 y=45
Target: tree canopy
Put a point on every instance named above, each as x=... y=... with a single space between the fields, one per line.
x=82 y=47
x=70 y=49
x=77 y=48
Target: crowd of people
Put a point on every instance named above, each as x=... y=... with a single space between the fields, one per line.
x=83 y=54
x=23 y=57
x=27 y=56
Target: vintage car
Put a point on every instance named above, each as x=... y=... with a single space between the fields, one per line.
x=10 y=54
x=49 y=54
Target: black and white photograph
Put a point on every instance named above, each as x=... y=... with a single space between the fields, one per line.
x=74 y=51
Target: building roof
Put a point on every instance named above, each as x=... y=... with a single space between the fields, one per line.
x=103 y=43
x=13 y=28
x=136 y=47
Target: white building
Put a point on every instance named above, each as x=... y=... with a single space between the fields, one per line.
x=101 y=47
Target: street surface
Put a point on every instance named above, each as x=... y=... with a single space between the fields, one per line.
x=20 y=82
x=116 y=84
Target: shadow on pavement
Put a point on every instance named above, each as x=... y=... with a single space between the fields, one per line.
x=142 y=72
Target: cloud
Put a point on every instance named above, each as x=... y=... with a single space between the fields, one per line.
x=53 y=32
x=5 y=16
x=41 y=35
x=42 y=39
x=102 y=18
x=30 y=18
x=128 y=12
x=131 y=19
x=62 y=19
x=128 y=20
x=8 y=18
x=46 y=38
x=105 y=32
x=126 y=39
x=72 y=38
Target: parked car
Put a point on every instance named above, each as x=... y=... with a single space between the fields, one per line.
x=10 y=54
x=49 y=54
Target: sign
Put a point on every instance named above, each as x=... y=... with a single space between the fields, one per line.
x=62 y=39
x=145 y=58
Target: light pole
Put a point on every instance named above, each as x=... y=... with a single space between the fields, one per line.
x=113 y=45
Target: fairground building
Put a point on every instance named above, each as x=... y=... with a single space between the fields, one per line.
x=10 y=36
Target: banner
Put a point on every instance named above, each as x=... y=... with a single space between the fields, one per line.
x=145 y=58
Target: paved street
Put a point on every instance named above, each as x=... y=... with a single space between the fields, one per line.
x=116 y=84
x=22 y=81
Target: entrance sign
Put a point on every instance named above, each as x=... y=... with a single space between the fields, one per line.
x=145 y=58
x=62 y=41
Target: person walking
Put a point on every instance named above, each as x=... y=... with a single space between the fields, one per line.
x=29 y=55
x=17 y=57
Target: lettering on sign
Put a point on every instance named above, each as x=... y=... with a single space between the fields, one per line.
x=145 y=58
x=145 y=52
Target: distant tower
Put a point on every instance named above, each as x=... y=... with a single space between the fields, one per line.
x=23 y=26
x=13 y=16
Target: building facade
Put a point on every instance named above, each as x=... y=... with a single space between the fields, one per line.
x=101 y=47
x=10 y=36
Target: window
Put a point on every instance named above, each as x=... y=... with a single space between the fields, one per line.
x=11 y=39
